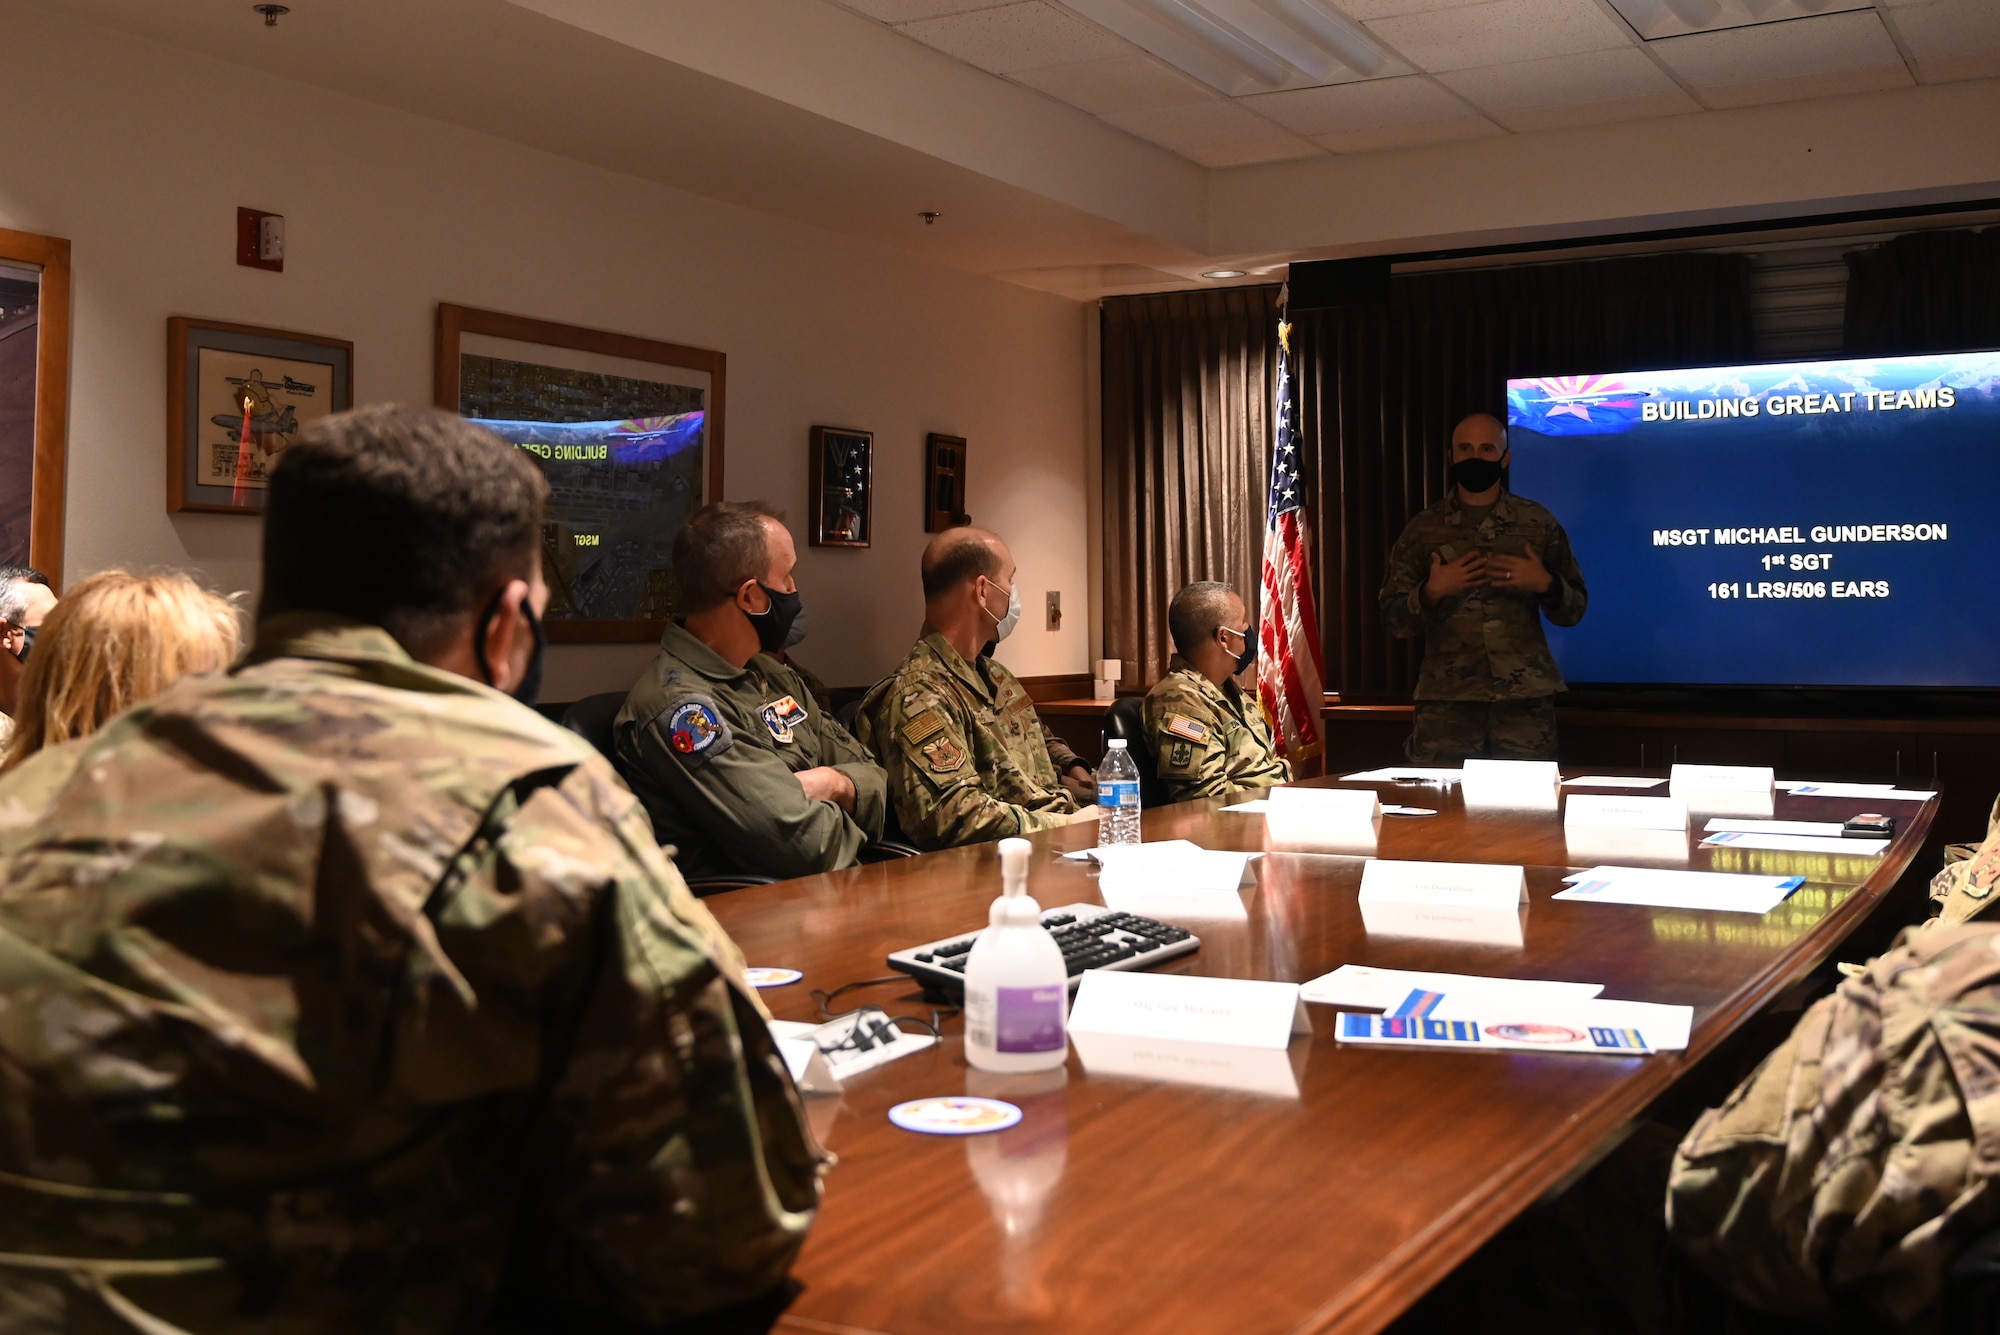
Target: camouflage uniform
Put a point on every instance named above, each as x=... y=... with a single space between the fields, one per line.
x=968 y=758
x=1488 y=678
x=713 y=750
x=1208 y=740
x=1964 y=889
x=329 y=985
x=1844 y=1175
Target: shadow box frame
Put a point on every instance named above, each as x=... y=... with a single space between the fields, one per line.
x=820 y=534
x=49 y=257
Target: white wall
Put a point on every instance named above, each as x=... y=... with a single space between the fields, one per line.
x=140 y=154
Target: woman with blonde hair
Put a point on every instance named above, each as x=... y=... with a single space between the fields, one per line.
x=117 y=639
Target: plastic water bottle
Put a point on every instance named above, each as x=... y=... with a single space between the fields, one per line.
x=1118 y=795
x=1016 y=984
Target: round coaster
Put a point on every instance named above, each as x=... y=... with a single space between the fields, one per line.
x=958 y=1115
x=772 y=977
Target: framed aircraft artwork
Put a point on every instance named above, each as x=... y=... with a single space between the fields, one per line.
x=237 y=396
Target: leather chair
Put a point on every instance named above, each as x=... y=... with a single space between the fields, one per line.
x=591 y=718
x=1127 y=719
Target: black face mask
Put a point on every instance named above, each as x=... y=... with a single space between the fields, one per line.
x=27 y=641
x=1247 y=657
x=774 y=623
x=1477 y=475
x=530 y=685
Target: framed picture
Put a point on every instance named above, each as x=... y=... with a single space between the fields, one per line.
x=627 y=430
x=842 y=479
x=944 y=483
x=34 y=399
x=237 y=395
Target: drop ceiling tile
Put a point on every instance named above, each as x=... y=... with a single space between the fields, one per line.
x=1016 y=37
x=1382 y=113
x=1500 y=32
x=1365 y=10
x=909 y=11
x=1653 y=19
x=1952 y=39
x=1786 y=62
x=1589 y=88
x=1122 y=83
x=1214 y=134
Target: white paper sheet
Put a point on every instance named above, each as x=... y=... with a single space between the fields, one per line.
x=1823 y=829
x=1652 y=887
x=1169 y=866
x=1365 y=987
x=1805 y=788
x=1798 y=843
x=1255 y=804
x=1610 y=781
x=1406 y=774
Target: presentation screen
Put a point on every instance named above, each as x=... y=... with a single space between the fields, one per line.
x=1796 y=524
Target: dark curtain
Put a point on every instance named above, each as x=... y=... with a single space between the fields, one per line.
x=1925 y=292
x=1187 y=391
x=1380 y=388
x=1188 y=384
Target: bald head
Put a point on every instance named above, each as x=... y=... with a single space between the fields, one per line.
x=957 y=556
x=1478 y=436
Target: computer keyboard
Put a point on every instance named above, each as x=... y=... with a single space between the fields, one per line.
x=1090 y=935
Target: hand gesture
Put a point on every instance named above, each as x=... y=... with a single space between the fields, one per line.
x=1450 y=578
x=1524 y=573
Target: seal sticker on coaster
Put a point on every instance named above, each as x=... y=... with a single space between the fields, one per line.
x=960 y=1115
x=771 y=977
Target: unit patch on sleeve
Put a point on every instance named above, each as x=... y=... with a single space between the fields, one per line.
x=1180 y=725
x=944 y=755
x=1180 y=757
x=781 y=716
x=694 y=728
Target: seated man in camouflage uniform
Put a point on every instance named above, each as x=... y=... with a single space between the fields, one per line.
x=340 y=988
x=739 y=766
x=1208 y=737
x=1474 y=575
x=967 y=756
x=1842 y=1179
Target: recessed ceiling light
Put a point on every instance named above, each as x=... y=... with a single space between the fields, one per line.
x=1223 y=273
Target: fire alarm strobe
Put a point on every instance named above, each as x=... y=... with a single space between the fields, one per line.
x=260 y=239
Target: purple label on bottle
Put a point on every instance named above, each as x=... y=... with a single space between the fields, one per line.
x=1030 y=1019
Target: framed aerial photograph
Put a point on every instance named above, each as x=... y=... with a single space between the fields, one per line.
x=34 y=399
x=627 y=430
x=841 y=477
x=237 y=395
x=944 y=483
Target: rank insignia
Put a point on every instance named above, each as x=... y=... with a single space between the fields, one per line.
x=1180 y=725
x=694 y=728
x=781 y=716
x=944 y=755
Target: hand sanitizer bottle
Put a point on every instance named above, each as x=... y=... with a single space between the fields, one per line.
x=1016 y=987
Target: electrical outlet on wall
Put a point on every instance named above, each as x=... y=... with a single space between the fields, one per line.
x=1054 y=597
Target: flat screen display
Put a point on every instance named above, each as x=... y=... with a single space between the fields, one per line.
x=1794 y=524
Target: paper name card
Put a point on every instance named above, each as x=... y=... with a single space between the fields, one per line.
x=1339 y=816
x=1170 y=1061
x=1470 y=902
x=1518 y=783
x=1366 y=987
x=1488 y=1035
x=1230 y=1012
x=1733 y=790
x=1593 y=811
x=1588 y=846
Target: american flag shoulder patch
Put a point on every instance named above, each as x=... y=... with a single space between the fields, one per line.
x=1180 y=725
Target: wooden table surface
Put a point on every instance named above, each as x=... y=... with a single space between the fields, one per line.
x=1127 y=1205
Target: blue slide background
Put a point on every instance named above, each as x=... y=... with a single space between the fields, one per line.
x=1581 y=448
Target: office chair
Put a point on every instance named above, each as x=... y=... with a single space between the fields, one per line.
x=1127 y=719
x=591 y=718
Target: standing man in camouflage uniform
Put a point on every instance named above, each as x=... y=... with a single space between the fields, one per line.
x=339 y=989
x=967 y=756
x=1474 y=575
x=725 y=745
x=1207 y=736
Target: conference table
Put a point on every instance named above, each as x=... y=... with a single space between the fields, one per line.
x=1132 y=1204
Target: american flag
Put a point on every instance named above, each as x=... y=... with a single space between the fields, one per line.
x=1288 y=671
